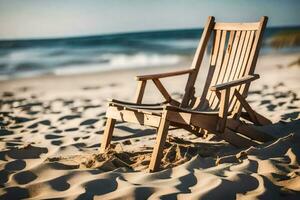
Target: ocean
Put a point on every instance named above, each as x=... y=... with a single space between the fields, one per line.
x=29 y=58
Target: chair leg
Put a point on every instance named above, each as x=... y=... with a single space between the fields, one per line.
x=224 y=100
x=107 y=135
x=159 y=145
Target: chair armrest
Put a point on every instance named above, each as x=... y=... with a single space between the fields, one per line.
x=163 y=75
x=243 y=80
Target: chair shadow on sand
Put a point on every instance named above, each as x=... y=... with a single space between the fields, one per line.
x=24 y=178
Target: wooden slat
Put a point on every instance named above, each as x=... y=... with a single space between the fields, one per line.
x=237 y=139
x=225 y=68
x=261 y=119
x=217 y=59
x=236 y=26
x=215 y=52
x=238 y=55
x=188 y=110
x=248 y=130
x=213 y=60
x=236 y=48
x=254 y=116
x=197 y=60
x=252 y=60
x=230 y=67
x=133 y=116
x=233 y=55
x=206 y=121
x=239 y=66
x=233 y=100
x=140 y=91
x=256 y=46
x=243 y=55
x=235 y=62
x=195 y=130
x=203 y=42
x=246 y=106
x=206 y=93
x=162 y=90
x=227 y=56
x=144 y=105
x=220 y=56
x=153 y=111
x=163 y=75
x=179 y=117
x=247 y=53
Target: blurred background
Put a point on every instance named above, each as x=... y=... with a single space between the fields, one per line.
x=74 y=37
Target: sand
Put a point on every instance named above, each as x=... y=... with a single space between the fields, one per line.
x=51 y=128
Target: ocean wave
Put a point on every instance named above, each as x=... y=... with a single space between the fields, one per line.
x=120 y=61
x=144 y=60
x=22 y=58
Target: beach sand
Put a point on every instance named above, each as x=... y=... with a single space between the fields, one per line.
x=51 y=128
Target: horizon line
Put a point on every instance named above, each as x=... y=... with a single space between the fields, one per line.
x=117 y=33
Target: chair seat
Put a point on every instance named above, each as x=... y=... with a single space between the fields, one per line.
x=157 y=109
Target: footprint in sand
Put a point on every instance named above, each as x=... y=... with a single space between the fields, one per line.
x=127 y=142
x=15 y=165
x=89 y=122
x=8 y=94
x=101 y=114
x=34 y=131
x=24 y=89
x=32 y=112
x=16 y=127
x=91 y=87
x=67 y=102
x=271 y=107
x=19 y=120
x=27 y=152
x=4 y=174
x=61 y=165
x=99 y=132
x=44 y=122
x=108 y=185
x=57 y=131
x=56 y=142
x=91 y=106
x=24 y=177
x=71 y=129
x=254 y=92
x=69 y=117
x=28 y=106
x=51 y=136
x=15 y=193
x=265 y=102
x=4 y=132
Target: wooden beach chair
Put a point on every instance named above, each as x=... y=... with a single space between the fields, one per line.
x=222 y=105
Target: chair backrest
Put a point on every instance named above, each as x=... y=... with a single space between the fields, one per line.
x=235 y=48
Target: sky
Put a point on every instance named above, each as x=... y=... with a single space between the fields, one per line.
x=24 y=19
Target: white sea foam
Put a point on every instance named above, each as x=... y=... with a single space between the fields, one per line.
x=121 y=61
x=143 y=60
